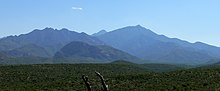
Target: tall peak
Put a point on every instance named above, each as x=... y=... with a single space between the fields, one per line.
x=136 y=27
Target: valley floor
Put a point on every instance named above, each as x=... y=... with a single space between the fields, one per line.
x=118 y=76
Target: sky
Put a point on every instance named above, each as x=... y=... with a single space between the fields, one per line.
x=191 y=20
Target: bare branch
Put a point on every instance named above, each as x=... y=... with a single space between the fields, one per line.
x=86 y=80
x=105 y=87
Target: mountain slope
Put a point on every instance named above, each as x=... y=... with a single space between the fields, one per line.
x=28 y=50
x=145 y=44
x=81 y=50
x=50 y=39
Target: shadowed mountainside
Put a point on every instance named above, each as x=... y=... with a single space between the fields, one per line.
x=81 y=50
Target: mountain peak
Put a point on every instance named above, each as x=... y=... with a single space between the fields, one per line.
x=103 y=31
x=64 y=29
x=48 y=28
x=50 y=31
x=133 y=31
x=100 y=33
x=136 y=28
x=198 y=42
x=138 y=25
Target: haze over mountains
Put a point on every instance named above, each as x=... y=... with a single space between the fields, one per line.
x=137 y=41
x=50 y=39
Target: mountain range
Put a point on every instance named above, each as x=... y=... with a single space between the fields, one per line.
x=52 y=40
x=145 y=44
x=128 y=43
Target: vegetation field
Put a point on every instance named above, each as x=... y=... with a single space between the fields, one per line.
x=120 y=76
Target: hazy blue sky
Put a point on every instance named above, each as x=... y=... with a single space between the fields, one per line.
x=191 y=20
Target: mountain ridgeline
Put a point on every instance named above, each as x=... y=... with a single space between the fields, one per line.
x=52 y=40
x=145 y=44
x=133 y=43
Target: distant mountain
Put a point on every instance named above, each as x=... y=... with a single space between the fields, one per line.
x=99 y=33
x=145 y=44
x=135 y=40
x=50 y=39
x=83 y=51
